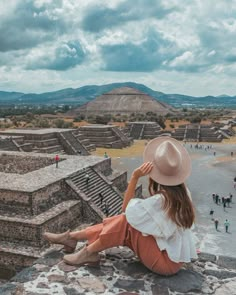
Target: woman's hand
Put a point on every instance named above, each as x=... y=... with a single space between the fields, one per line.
x=143 y=170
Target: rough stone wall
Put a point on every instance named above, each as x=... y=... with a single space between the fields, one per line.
x=47 y=197
x=22 y=164
x=104 y=167
x=119 y=181
x=15 y=202
x=89 y=212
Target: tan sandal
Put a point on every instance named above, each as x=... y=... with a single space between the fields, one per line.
x=83 y=257
x=61 y=239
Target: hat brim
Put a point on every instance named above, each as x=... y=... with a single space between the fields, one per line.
x=155 y=174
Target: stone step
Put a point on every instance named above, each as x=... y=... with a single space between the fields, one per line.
x=91 y=147
x=29 y=231
x=98 y=185
x=44 y=143
x=49 y=149
x=26 y=147
x=14 y=257
x=103 y=139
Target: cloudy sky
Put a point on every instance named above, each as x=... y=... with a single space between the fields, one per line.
x=186 y=47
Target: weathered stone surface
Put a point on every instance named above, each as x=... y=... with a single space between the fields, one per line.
x=123 y=276
x=130 y=285
x=184 y=281
x=8 y=289
x=51 y=258
x=41 y=267
x=57 y=278
x=71 y=291
x=227 y=262
x=206 y=257
x=157 y=290
x=220 y=274
x=227 y=289
x=136 y=269
x=25 y=275
x=92 y=284
x=42 y=285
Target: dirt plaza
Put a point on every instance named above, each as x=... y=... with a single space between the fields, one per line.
x=210 y=174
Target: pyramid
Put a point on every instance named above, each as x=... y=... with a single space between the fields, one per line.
x=125 y=100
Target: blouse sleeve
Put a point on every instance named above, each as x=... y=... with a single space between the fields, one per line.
x=148 y=217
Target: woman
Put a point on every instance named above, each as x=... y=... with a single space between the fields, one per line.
x=158 y=228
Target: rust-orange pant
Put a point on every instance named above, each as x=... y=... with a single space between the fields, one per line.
x=115 y=231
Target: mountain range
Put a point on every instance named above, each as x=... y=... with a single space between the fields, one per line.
x=84 y=94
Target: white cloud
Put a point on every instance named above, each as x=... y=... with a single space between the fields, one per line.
x=186 y=58
x=168 y=45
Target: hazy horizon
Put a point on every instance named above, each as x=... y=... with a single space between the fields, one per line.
x=177 y=48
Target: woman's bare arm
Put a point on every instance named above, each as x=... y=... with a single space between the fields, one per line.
x=143 y=170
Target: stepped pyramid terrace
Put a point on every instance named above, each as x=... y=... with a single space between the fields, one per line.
x=199 y=133
x=49 y=140
x=124 y=100
x=107 y=136
x=35 y=196
x=142 y=130
x=80 y=141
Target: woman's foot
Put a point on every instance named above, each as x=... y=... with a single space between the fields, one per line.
x=61 y=239
x=82 y=257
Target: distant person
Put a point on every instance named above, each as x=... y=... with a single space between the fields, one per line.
x=105 y=155
x=87 y=177
x=57 y=160
x=106 y=209
x=226 y=224
x=224 y=204
x=217 y=198
x=211 y=212
x=228 y=201
x=214 y=197
x=230 y=197
x=216 y=221
x=158 y=228
x=101 y=198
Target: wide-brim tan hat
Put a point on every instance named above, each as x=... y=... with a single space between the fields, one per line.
x=171 y=161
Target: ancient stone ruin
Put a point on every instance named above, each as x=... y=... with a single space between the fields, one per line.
x=198 y=133
x=124 y=100
x=49 y=140
x=142 y=130
x=36 y=196
x=107 y=136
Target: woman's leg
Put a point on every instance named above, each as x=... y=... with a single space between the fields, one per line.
x=111 y=233
x=79 y=235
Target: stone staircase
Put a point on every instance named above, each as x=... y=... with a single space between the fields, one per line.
x=50 y=141
x=28 y=231
x=7 y=144
x=125 y=139
x=136 y=130
x=97 y=184
x=84 y=141
x=104 y=136
x=72 y=143
x=21 y=239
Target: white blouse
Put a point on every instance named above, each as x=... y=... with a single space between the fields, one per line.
x=148 y=217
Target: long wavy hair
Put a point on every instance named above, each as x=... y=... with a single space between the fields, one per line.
x=176 y=203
